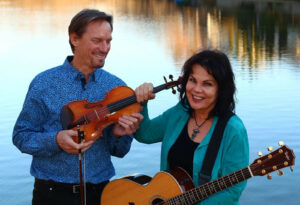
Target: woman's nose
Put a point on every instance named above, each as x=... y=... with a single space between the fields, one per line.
x=198 y=87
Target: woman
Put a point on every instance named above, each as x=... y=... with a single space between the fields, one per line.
x=185 y=130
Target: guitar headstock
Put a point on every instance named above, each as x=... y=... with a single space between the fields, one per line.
x=276 y=160
x=172 y=83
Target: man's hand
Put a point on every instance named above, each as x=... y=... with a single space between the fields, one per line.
x=65 y=142
x=127 y=125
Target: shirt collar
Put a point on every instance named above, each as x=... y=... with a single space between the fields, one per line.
x=75 y=74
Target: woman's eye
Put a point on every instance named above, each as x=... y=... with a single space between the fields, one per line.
x=192 y=80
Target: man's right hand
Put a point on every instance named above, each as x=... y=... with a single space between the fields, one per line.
x=65 y=142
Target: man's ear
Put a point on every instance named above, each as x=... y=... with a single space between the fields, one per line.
x=74 y=38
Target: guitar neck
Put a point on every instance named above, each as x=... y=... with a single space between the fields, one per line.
x=113 y=107
x=203 y=191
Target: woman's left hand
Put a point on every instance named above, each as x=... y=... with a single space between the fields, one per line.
x=127 y=125
x=144 y=93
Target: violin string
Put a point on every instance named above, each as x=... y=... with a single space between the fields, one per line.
x=118 y=105
x=91 y=116
x=132 y=99
x=110 y=108
x=122 y=103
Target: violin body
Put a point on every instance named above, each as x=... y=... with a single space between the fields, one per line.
x=92 y=118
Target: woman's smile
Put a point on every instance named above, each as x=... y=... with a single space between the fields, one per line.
x=201 y=89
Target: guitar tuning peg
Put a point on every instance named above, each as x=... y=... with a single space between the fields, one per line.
x=280 y=173
x=259 y=154
x=292 y=169
x=270 y=148
x=269 y=176
x=281 y=143
x=171 y=77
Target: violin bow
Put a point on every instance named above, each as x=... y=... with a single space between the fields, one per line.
x=82 y=191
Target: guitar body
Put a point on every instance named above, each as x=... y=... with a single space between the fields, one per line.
x=164 y=185
x=176 y=186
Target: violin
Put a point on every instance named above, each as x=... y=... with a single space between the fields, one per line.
x=93 y=117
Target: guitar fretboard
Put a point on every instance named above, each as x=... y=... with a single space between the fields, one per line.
x=203 y=191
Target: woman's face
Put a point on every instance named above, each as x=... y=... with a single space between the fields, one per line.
x=201 y=90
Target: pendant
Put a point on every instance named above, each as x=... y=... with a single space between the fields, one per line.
x=195 y=132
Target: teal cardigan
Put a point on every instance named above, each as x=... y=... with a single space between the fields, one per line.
x=232 y=156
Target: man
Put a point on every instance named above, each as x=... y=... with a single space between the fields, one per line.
x=38 y=130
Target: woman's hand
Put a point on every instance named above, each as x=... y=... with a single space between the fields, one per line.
x=127 y=125
x=144 y=93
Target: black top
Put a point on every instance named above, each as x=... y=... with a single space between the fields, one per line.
x=181 y=153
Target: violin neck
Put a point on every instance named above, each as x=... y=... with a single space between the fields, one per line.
x=160 y=88
x=113 y=107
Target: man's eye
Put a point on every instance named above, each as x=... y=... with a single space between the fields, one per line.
x=95 y=41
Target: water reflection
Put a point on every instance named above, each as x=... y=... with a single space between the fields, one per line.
x=151 y=37
x=256 y=33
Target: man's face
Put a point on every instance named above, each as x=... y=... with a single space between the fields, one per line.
x=93 y=46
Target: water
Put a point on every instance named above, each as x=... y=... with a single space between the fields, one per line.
x=152 y=39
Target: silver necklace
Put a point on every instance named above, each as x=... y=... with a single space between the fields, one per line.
x=197 y=129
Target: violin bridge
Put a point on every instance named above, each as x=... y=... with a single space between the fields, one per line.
x=97 y=114
x=85 y=119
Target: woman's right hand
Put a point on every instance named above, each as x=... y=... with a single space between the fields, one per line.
x=144 y=93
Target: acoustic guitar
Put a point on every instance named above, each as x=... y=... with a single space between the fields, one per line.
x=176 y=186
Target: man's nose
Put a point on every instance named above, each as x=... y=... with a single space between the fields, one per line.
x=104 y=47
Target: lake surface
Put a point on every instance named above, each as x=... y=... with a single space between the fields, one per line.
x=153 y=38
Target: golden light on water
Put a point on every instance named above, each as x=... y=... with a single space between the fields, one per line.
x=183 y=31
x=153 y=38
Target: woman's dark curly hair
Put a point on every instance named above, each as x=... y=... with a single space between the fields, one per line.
x=217 y=64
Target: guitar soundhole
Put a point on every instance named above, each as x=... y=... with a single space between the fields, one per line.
x=157 y=201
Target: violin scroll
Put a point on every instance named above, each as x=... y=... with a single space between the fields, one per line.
x=173 y=83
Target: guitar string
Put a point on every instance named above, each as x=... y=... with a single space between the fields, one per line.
x=228 y=181
x=239 y=176
x=232 y=178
